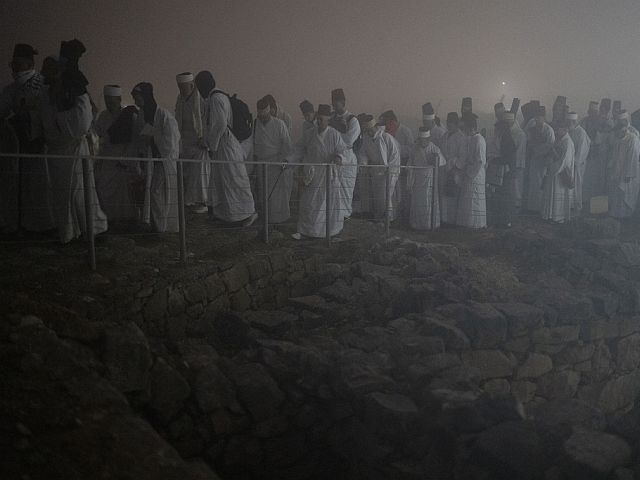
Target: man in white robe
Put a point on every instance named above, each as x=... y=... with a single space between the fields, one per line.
x=425 y=158
x=347 y=125
x=114 y=177
x=406 y=141
x=24 y=177
x=229 y=194
x=472 y=205
x=582 y=144
x=278 y=112
x=429 y=122
x=272 y=144
x=323 y=144
x=454 y=149
x=598 y=125
x=379 y=156
x=163 y=140
x=558 y=182
x=65 y=130
x=540 y=142
x=189 y=115
x=623 y=179
x=308 y=114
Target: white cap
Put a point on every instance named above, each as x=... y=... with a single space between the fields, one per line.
x=424 y=134
x=572 y=116
x=431 y=116
x=112 y=91
x=184 y=77
x=623 y=115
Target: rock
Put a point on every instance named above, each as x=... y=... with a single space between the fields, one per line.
x=511 y=450
x=489 y=363
x=212 y=389
x=236 y=277
x=619 y=393
x=485 y=326
x=558 y=385
x=257 y=391
x=271 y=321
x=498 y=387
x=604 y=303
x=595 y=453
x=271 y=427
x=231 y=330
x=259 y=268
x=168 y=390
x=453 y=337
x=534 y=366
x=240 y=301
x=575 y=353
x=195 y=293
x=520 y=317
x=389 y=414
x=628 y=353
x=360 y=373
x=76 y=328
x=598 y=329
x=556 y=335
x=432 y=365
x=623 y=474
x=518 y=345
x=421 y=345
x=556 y=414
x=523 y=391
x=156 y=307
x=127 y=358
x=595 y=227
x=175 y=302
x=214 y=287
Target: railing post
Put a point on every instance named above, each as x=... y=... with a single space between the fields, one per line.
x=265 y=201
x=387 y=201
x=182 y=227
x=435 y=196
x=89 y=214
x=327 y=203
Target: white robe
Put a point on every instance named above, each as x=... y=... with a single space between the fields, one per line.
x=229 y=192
x=348 y=171
x=272 y=144
x=437 y=134
x=454 y=149
x=285 y=117
x=539 y=146
x=557 y=198
x=582 y=144
x=113 y=177
x=319 y=148
x=594 y=182
x=65 y=133
x=624 y=176
x=514 y=177
x=161 y=193
x=472 y=204
x=190 y=118
x=406 y=142
x=381 y=149
x=31 y=174
x=420 y=185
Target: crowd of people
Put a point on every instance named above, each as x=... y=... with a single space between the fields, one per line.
x=377 y=167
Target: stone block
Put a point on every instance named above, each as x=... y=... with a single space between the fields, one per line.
x=454 y=338
x=488 y=363
x=127 y=357
x=195 y=293
x=212 y=389
x=534 y=366
x=240 y=301
x=259 y=268
x=520 y=317
x=175 y=302
x=558 y=385
x=214 y=286
x=628 y=353
x=167 y=390
x=257 y=391
x=595 y=454
x=236 y=277
x=556 y=335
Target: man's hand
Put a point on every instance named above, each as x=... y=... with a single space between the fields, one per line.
x=337 y=160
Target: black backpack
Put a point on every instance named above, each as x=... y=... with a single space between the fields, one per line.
x=242 y=117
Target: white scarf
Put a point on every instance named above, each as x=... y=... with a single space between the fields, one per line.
x=195 y=101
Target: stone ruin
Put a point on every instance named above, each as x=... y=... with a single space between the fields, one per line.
x=392 y=360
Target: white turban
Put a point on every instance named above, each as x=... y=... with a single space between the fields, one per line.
x=184 y=77
x=112 y=91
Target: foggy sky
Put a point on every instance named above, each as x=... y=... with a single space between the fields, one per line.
x=394 y=54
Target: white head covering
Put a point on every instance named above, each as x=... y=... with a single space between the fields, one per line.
x=184 y=77
x=424 y=134
x=509 y=116
x=572 y=116
x=112 y=91
x=431 y=116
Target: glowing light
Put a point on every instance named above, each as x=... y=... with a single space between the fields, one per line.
x=503 y=83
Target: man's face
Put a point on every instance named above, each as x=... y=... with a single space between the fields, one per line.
x=561 y=131
x=509 y=121
x=264 y=115
x=20 y=64
x=499 y=113
x=323 y=122
x=51 y=71
x=573 y=124
x=623 y=122
x=186 y=89
x=539 y=121
x=469 y=130
x=274 y=111
x=621 y=131
x=452 y=127
x=424 y=142
x=113 y=104
x=309 y=116
x=338 y=106
x=428 y=123
x=138 y=100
